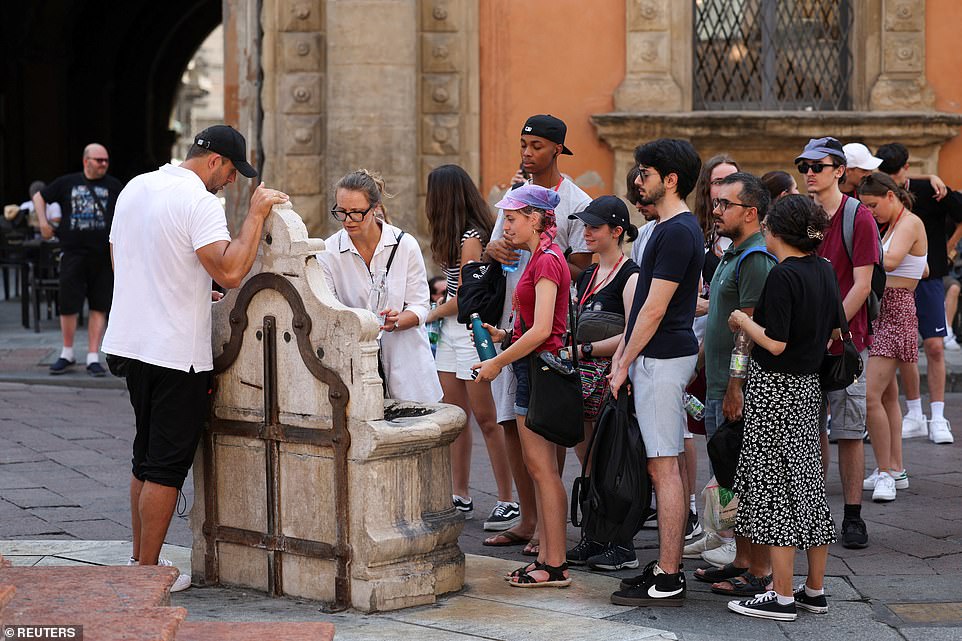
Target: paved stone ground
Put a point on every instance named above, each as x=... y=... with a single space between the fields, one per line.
x=64 y=461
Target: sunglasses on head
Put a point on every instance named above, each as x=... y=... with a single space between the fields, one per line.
x=816 y=167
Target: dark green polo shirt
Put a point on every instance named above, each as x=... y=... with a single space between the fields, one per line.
x=725 y=296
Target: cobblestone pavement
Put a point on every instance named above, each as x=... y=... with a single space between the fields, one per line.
x=64 y=461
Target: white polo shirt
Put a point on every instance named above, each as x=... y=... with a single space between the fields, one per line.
x=161 y=310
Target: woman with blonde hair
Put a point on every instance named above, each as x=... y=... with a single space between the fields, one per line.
x=372 y=264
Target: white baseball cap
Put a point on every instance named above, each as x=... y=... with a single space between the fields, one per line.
x=857 y=155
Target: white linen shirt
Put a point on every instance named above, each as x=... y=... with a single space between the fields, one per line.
x=161 y=310
x=406 y=355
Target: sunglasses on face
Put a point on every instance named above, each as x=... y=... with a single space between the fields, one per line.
x=815 y=167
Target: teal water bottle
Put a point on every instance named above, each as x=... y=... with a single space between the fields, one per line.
x=482 y=339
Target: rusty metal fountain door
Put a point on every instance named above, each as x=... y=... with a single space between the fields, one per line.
x=280 y=466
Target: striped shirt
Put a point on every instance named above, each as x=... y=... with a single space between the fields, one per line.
x=452 y=272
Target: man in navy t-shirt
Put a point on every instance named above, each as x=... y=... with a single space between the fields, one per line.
x=659 y=352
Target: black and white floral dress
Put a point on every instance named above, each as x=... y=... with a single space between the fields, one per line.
x=779 y=481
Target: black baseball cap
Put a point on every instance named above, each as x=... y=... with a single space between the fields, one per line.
x=229 y=143
x=548 y=127
x=606 y=210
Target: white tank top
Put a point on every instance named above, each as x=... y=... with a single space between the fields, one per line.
x=911 y=266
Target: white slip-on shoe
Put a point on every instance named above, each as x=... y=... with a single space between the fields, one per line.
x=709 y=542
x=940 y=432
x=722 y=555
x=913 y=426
x=884 y=488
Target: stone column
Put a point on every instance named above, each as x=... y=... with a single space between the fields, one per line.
x=901 y=85
x=449 y=97
x=372 y=108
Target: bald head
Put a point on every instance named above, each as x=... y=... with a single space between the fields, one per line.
x=96 y=160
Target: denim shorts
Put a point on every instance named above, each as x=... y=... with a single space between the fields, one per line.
x=521 y=393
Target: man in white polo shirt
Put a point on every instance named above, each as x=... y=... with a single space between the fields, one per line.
x=169 y=239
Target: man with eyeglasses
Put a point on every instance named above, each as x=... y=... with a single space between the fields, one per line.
x=822 y=164
x=86 y=201
x=737 y=283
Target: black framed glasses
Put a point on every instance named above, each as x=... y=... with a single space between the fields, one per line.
x=722 y=204
x=816 y=167
x=341 y=215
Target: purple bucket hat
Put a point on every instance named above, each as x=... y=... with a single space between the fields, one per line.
x=530 y=196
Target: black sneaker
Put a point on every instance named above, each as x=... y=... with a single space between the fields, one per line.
x=586 y=548
x=96 y=370
x=61 y=365
x=854 y=535
x=464 y=506
x=693 y=527
x=614 y=557
x=765 y=606
x=504 y=516
x=816 y=604
x=656 y=588
x=638 y=579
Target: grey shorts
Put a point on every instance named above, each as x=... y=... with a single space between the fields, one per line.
x=847 y=408
x=503 y=390
x=658 y=385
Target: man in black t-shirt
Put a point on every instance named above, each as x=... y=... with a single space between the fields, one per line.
x=929 y=295
x=87 y=201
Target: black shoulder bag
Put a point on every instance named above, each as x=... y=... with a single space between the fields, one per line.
x=482 y=290
x=555 y=406
x=838 y=371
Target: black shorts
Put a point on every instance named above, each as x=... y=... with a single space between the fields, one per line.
x=85 y=275
x=171 y=408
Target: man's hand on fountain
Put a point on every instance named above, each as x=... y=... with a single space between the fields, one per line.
x=263 y=199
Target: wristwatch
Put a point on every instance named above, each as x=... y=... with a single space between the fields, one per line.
x=586 y=349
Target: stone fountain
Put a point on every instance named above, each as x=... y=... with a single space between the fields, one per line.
x=308 y=482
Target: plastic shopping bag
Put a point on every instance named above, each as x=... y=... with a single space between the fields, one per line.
x=720 y=507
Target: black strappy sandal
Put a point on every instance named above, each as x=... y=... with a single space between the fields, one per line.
x=556 y=577
x=514 y=574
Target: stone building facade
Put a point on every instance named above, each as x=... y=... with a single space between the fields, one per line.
x=324 y=86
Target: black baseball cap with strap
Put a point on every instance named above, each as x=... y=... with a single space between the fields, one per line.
x=229 y=143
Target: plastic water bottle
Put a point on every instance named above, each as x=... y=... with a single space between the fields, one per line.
x=513 y=267
x=482 y=339
x=434 y=328
x=738 y=367
x=694 y=407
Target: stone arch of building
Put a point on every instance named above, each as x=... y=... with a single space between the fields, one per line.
x=76 y=72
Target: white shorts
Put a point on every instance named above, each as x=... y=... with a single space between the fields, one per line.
x=658 y=386
x=456 y=351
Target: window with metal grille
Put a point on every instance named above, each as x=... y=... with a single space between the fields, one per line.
x=772 y=54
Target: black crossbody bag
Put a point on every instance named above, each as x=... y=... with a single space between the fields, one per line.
x=838 y=371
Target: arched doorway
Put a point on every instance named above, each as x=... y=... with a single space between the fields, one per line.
x=76 y=72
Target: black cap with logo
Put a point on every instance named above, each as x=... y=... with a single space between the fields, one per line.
x=548 y=127
x=229 y=143
x=605 y=210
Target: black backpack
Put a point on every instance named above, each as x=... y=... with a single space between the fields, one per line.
x=481 y=292
x=615 y=499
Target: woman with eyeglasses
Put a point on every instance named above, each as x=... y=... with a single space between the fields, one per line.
x=374 y=265
x=779 y=482
x=895 y=331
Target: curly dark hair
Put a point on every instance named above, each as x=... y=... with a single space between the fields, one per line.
x=798 y=221
x=671 y=156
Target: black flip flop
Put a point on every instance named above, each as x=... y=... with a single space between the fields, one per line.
x=714 y=575
x=513 y=539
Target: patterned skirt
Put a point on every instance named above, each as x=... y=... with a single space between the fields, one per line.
x=594 y=384
x=781 y=492
x=897 y=327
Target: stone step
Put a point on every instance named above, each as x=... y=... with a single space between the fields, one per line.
x=104 y=624
x=5 y=563
x=47 y=589
x=253 y=631
x=6 y=596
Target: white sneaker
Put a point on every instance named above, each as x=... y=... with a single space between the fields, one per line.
x=913 y=426
x=183 y=580
x=901 y=480
x=722 y=555
x=884 y=488
x=951 y=344
x=940 y=432
x=708 y=542
x=869 y=482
